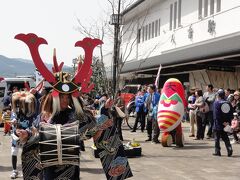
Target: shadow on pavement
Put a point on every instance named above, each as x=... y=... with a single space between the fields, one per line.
x=93 y=170
x=199 y=145
x=194 y=147
x=5 y=168
x=173 y=156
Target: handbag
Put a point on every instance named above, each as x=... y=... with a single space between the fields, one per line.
x=204 y=108
x=228 y=129
x=120 y=113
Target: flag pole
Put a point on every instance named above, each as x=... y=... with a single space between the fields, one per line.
x=158 y=76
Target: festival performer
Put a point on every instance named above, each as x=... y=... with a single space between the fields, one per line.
x=23 y=115
x=170 y=112
x=62 y=111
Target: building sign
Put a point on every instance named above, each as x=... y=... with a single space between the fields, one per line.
x=221 y=68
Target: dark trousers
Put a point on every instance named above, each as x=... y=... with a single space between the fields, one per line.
x=152 y=125
x=118 y=124
x=140 y=118
x=222 y=134
x=200 y=127
x=208 y=120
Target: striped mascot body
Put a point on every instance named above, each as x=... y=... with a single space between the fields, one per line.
x=171 y=111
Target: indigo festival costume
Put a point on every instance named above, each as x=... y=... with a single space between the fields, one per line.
x=64 y=121
x=170 y=112
x=24 y=107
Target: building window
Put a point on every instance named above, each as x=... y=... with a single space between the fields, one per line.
x=156 y=28
x=171 y=17
x=212 y=7
x=146 y=32
x=218 y=5
x=199 y=9
x=175 y=15
x=139 y=36
x=205 y=8
x=159 y=27
x=143 y=35
x=152 y=29
x=179 y=12
x=149 y=31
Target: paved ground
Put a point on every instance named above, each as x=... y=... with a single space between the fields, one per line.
x=194 y=161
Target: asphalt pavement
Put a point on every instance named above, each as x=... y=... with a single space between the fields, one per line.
x=192 y=162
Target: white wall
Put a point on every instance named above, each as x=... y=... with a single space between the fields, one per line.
x=227 y=22
x=107 y=60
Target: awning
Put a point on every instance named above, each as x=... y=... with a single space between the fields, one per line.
x=207 y=51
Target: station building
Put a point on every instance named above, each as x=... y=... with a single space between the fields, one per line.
x=196 y=41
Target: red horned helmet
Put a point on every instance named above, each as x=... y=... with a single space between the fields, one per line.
x=60 y=80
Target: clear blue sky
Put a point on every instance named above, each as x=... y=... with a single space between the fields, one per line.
x=53 y=20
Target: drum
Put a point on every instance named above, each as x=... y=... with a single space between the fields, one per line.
x=59 y=144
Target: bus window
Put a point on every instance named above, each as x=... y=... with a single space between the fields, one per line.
x=2 y=89
x=19 y=85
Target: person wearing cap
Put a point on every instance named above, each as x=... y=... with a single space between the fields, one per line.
x=222 y=115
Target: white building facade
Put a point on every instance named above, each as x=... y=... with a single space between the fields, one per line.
x=197 y=41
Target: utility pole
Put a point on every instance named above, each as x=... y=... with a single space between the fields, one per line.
x=115 y=20
x=74 y=61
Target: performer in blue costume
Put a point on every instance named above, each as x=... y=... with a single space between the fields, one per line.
x=24 y=109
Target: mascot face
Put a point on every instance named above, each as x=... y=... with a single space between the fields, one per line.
x=171 y=105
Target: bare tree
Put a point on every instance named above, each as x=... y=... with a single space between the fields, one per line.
x=101 y=29
x=97 y=29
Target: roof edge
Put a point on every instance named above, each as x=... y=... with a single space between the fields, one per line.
x=134 y=5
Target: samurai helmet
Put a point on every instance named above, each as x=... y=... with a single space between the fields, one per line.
x=61 y=81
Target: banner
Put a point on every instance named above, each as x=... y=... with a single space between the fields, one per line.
x=158 y=76
x=39 y=81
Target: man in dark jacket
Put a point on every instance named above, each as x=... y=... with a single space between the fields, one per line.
x=222 y=115
x=7 y=99
x=152 y=107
